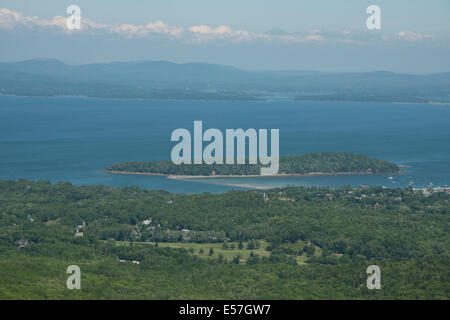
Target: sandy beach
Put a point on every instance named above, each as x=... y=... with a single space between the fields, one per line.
x=279 y=175
x=244 y=185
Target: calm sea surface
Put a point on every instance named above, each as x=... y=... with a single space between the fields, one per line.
x=73 y=139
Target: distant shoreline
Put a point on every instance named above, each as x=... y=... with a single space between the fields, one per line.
x=373 y=101
x=129 y=99
x=221 y=100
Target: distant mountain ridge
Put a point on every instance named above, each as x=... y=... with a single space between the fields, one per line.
x=168 y=80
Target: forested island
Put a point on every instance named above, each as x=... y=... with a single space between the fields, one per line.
x=314 y=163
x=290 y=243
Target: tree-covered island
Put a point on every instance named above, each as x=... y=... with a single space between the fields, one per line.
x=314 y=163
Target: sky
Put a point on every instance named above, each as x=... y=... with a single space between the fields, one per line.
x=323 y=35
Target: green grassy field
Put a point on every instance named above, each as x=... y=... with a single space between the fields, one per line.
x=227 y=254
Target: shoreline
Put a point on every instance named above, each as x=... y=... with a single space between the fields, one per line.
x=279 y=175
x=131 y=99
x=220 y=100
x=387 y=101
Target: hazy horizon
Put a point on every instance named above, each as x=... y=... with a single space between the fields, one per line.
x=219 y=64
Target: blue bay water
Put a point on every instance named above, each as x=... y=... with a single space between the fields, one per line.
x=73 y=139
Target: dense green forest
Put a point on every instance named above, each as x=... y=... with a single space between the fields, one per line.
x=325 y=162
x=46 y=227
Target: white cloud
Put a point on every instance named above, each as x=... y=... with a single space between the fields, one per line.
x=221 y=30
x=414 y=36
x=10 y=19
x=313 y=37
x=199 y=33
x=157 y=27
x=161 y=27
x=204 y=33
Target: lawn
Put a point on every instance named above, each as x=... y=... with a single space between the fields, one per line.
x=218 y=249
